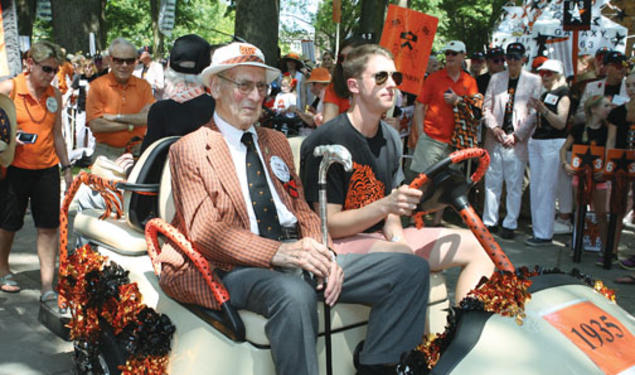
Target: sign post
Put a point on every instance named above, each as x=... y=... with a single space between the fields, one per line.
x=576 y=16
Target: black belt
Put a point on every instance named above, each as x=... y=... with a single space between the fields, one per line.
x=290 y=234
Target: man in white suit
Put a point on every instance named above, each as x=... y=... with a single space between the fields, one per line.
x=510 y=123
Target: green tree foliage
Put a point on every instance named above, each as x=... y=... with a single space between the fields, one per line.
x=325 y=27
x=469 y=21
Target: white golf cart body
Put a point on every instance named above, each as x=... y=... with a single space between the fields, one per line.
x=199 y=346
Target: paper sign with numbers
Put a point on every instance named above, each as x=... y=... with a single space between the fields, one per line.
x=582 y=156
x=618 y=159
x=598 y=334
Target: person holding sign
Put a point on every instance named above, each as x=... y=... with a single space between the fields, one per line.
x=593 y=133
x=544 y=145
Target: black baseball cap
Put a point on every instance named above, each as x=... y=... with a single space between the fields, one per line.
x=495 y=52
x=477 y=55
x=602 y=51
x=515 y=49
x=190 y=54
x=615 y=57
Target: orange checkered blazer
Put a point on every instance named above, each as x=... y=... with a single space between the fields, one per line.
x=211 y=211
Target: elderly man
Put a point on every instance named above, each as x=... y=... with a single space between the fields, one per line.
x=117 y=103
x=510 y=123
x=434 y=111
x=238 y=199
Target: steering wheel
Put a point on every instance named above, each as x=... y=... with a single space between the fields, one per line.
x=449 y=187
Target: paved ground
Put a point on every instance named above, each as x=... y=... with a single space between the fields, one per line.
x=27 y=348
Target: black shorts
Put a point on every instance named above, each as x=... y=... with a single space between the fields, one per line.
x=41 y=187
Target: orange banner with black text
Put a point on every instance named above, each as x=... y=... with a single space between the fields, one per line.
x=409 y=34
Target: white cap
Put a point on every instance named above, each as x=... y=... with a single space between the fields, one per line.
x=455 y=45
x=237 y=54
x=552 y=66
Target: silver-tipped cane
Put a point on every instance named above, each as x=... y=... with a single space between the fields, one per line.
x=330 y=154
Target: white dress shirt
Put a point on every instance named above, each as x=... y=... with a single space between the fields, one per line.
x=238 y=152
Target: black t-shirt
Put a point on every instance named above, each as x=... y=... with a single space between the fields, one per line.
x=551 y=100
x=508 y=127
x=168 y=117
x=594 y=137
x=625 y=137
x=376 y=165
x=482 y=81
x=612 y=90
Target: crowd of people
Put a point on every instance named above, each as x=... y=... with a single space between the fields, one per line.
x=240 y=200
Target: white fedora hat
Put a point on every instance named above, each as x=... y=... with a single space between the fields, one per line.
x=237 y=54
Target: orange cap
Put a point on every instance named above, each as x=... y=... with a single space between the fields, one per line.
x=538 y=61
x=320 y=75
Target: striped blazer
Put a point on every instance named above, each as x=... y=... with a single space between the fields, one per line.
x=211 y=212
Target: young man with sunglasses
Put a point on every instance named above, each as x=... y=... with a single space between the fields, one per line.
x=365 y=205
x=495 y=60
x=510 y=122
x=239 y=199
x=117 y=104
x=434 y=110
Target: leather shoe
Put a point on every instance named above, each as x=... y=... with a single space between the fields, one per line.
x=492 y=228
x=506 y=233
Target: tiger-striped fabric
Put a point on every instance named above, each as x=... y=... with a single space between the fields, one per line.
x=211 y=211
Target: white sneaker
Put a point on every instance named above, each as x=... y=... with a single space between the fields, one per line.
x=562 y=227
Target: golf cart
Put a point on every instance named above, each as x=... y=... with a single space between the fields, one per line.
x=233 y=342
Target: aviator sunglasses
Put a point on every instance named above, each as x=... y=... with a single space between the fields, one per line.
x=120 y=61
x=49 y=69
x=382 y=77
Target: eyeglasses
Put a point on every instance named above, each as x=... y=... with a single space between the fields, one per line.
x=382 y=77
x=513 y=57
x=48 y=69
x=451 y=53
x=121 y=61
x=247 y=87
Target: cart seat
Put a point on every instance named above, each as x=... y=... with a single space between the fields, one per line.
x=126 y=235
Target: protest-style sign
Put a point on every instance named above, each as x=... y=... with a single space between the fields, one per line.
x=409 y=34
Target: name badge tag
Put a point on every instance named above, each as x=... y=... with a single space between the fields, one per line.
x=280 y=169
x=551 y=99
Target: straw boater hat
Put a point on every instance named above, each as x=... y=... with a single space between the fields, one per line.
x=7 y=130
x=237 y=54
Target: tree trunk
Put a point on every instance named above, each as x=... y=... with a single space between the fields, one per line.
x=26 y=16
x=372 y=19
x=86 y=16
x=157 y=37
x=257 y=23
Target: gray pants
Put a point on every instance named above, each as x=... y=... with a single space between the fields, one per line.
x=394 y=285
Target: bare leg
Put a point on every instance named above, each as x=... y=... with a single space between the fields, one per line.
x=6 y=241
x=459 y=248
x=46 y=252
x=599 y=205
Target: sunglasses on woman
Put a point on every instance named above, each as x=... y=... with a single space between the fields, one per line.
x=49 y=69
x=451 y=53
x=382 y=77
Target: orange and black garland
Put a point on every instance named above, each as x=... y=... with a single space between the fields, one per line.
x=504 y=293
x=99 y=293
